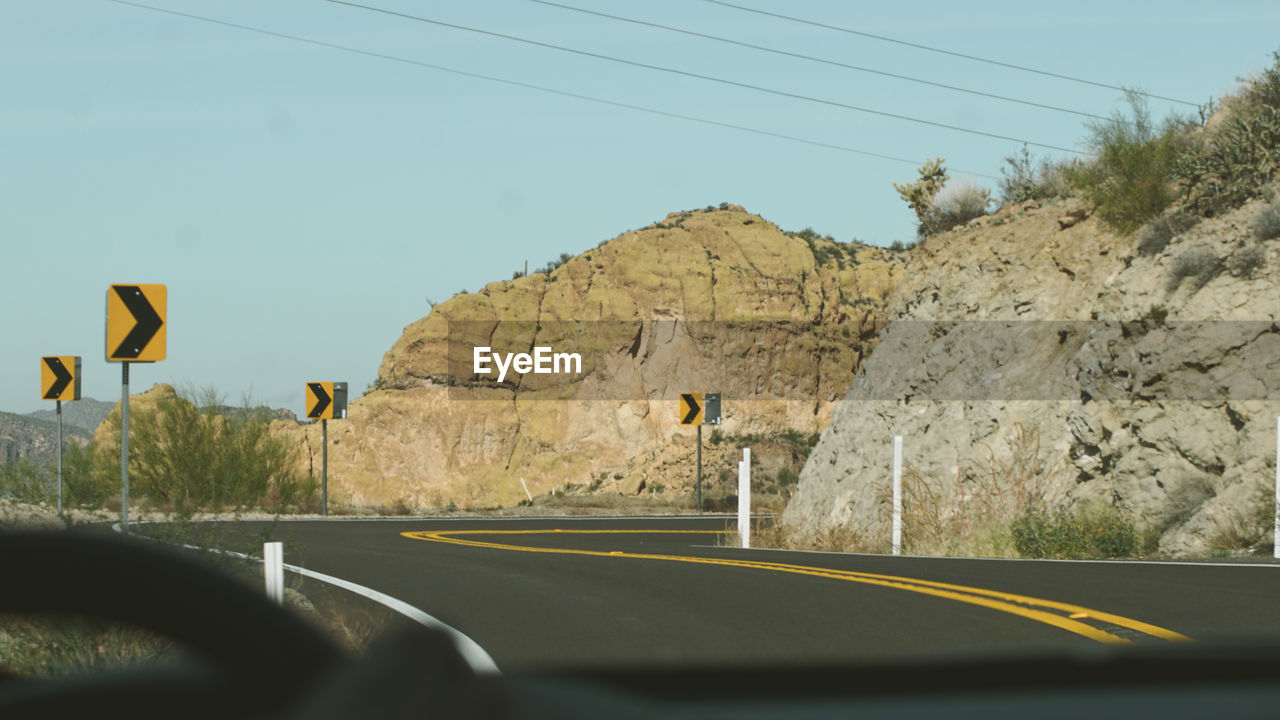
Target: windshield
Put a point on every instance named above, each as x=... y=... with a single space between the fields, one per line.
x=661 y=334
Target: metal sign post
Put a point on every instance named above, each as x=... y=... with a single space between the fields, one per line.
x=60 y=380
x=124 y=447
x=744 y=498
x=59 y=459
x=324 y=469
x=693 y=411
x=699 y=469
x=324 y=400
x=137 y=330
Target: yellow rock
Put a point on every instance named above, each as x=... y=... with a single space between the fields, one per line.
x=703 y=301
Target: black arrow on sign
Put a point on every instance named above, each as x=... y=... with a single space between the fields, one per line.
x=694 y=409
x=63 y=378
x=146 y=321
x=322 y=400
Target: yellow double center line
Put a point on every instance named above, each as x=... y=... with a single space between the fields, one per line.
x=1089 y=623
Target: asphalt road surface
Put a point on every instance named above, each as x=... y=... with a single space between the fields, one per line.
x=575 y=593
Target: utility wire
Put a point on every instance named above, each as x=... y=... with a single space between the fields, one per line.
x=944 y=52
x=539 y=88
x=824 y=61
x=709 y=78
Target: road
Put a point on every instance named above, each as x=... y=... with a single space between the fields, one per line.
x=571 y=592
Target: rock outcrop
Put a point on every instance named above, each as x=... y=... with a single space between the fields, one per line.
x=711 y=300
x=1042 y=346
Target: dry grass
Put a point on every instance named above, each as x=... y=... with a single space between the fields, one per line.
x=968 y=515
x=971 y=513
x=49 y=647
x=770 y=532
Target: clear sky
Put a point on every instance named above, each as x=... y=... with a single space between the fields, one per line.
x=304 y=203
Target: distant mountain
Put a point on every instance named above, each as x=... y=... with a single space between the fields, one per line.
x=23 y=437
x=85 y=414
x=34 y=436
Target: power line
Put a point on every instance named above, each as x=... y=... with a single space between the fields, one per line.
x=539 y=88
x=944 y=52
x=824 y=61
x=709 y=78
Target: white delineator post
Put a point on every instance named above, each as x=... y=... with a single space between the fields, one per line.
x=527 y=494
x=897 y=495
x=1276 y=535
x=744 y=498
x=273 y=571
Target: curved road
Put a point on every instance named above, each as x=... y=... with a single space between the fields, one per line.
x=596 y=592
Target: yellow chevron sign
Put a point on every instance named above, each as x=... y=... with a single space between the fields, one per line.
x=60 y=377
x=136 y=327
x=690 y=408
x=319 y=402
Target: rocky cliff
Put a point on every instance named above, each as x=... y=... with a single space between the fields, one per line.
x=1036 y=359
x=716 y=300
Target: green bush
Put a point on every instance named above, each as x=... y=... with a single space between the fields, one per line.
x=1129 y=178
x=1022 y=180
x=938 y=204
x=1102 y=532
x=185 y=458
x=29 y=481
x=553 y=264
x=919 y=194
x=1240 y=158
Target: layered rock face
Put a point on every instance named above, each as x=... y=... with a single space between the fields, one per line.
x=704 y=301
x=1038 y=347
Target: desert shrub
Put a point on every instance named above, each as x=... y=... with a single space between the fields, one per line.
x=37 y=482
x=1018 y=178
x=1267 y=224
x=1250 y=527
x=1247 y=260
x=26 y=480
x=553 y=264
x=958 y=203
x=84 y=483
x=1200 y=263
x=972 y=513
x=939 y=204
x=1094 y=533
x=1157 y=314
x=1239 y=159
x=1022 y=179
x=185 y=458
x=919 y=194
x=1156 y=235
x=1129 y=177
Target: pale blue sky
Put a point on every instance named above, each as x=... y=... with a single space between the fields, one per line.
x=303 y=203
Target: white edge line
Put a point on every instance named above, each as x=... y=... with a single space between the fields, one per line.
x=1178 y=563
x=479 y=660
x=470 y=650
